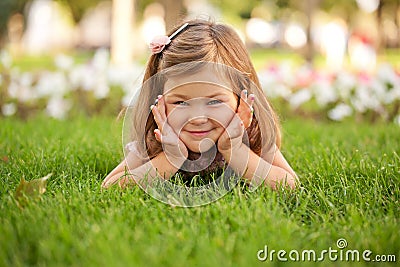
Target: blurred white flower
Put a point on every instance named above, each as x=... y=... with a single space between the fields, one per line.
x=101 y=59
x=362 y=56
x=299 y=97
x=20 y=92
x=392 y=95
x=365 y=99
x=52 y=84
x=75 y=76
x=101 y=90
x=339 y=112
x=58 y=107
x=125 y=76
x=358 y=99
x=5 y=59
x=9 y=109
x=126 y=100
x=397 y=120
x=324 y=93
x=278 y=90
x=345 y=83
x=286 y=75
x=26 y=79
x=128 y=77
x=64 y=62
x=272 y=84
x=378 y=90
x=84 y=77
x=13 y=89
x=304 y=76
x=386 y=73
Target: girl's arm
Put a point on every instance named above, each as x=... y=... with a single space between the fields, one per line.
x=134 y=170
x=132 y=160
x=244 y=161
x=281 y=162
x=258 y=170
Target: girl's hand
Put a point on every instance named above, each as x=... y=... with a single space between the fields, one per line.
x=245 y=109
x=173 y=147
x=231 y=138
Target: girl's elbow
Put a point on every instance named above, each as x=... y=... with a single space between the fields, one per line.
x=281 y=178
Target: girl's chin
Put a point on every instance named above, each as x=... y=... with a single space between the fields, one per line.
x=206 y=145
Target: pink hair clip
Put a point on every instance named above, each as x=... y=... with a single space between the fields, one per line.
x=159 y=42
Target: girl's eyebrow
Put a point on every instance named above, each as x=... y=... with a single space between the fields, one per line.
x=177 y=96
x=186 y=97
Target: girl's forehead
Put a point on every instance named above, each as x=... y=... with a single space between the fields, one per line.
x=208 y=78
x=199 y=89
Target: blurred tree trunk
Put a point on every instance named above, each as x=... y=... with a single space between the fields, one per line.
x=309 y=9
x=381 y=42
x=174 y=12
x=122 y=31
x=397 y=23
x=393 y=7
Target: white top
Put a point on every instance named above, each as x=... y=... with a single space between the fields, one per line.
x=133 y=147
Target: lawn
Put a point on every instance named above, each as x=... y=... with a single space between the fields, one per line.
x=350 y=175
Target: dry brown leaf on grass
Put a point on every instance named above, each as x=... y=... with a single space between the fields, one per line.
x=30 y=190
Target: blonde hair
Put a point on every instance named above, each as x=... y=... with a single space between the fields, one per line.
x=203 y=40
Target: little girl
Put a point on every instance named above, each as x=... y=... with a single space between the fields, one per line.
x=206 y=110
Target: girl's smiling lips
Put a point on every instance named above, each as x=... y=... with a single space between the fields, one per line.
x=199 y=133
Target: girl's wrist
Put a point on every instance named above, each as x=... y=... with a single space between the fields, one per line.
x=235 y=152
x=176 y=161
x=238 y=159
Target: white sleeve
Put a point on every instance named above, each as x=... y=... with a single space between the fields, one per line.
x=132 y=147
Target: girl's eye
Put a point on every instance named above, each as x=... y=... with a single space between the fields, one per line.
x=214 y=102
x=181 y=103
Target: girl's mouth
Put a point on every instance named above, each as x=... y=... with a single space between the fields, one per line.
x=198 y=133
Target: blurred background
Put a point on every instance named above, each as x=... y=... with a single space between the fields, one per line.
x=321 y=59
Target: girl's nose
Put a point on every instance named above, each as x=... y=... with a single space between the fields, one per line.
x=198 y=120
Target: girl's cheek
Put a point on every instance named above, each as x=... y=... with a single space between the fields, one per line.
x=223 y=115
x=177 y=118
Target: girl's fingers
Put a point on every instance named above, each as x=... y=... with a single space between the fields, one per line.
x=110 y=181
x=156 y=116
x=243 y=95
x=157 y=134
x=125 y=182
x=161 y=107
x=158 y=111
x=235 y=127
x=246 y=100
x=245 y=109
x=250 y=101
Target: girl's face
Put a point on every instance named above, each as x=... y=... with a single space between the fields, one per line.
x=199 y=111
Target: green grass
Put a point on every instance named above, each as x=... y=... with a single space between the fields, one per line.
x=350 y=176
